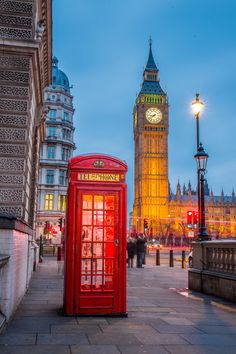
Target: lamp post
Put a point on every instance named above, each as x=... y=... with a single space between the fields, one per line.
x=197 y=107
x=201 y=158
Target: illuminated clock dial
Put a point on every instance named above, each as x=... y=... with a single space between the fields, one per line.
x=154 y=115
x=135 y=119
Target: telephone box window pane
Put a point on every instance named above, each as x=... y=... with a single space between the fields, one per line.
x=98 y=202
x=87 y=217
x=87 y=201
x=97 y=282
x=108 y=266
x=109 y=202
x=98 y=234
x=109 y=218
x=97 y=250
x=97 y=266
x=108 y=233
x=86 y=283
x=86 y=250
x=87 y=233
x=108 y=282
x=98 y=218
x=109 y=249
x=86 y=266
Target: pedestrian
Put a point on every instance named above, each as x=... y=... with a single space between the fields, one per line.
x=140 y=248
x=131 y=250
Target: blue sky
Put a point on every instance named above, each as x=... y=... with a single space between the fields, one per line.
x=102 y=45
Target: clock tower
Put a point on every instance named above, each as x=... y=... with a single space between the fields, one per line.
x=151 y=121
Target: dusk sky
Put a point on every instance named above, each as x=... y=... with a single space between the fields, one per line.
x=102 y=46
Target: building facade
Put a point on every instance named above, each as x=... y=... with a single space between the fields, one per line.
x=55 y=151
x=156 y=210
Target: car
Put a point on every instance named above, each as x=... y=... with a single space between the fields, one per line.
x=153 y=245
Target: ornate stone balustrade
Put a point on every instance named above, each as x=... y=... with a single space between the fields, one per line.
x=214 y=268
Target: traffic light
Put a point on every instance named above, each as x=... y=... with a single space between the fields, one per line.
x=145 y=225
x=195 y=218
x=190 y=219
x=60 y=223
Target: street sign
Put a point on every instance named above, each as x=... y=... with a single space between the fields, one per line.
x=191 y=234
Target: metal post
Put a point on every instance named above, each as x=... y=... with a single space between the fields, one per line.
x=202 y=226
x=41 y=248
x=171 y=258
x=183 y=259
x=158 y=257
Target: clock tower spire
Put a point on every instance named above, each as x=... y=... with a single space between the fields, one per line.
x=151 y=121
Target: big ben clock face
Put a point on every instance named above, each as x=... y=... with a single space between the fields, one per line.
x=154 y=115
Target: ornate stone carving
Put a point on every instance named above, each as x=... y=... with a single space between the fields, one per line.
x=13 y=120
x=13 y=91
x=9 y=149
x=10 y=134
x=10 y=164
x=11 y=179
x=12 y=105
x=16 y=6
x=14 y=62
x=14 y=76
x=15 y=33
x=16 y=21
x=11 y=195
x=11 y=210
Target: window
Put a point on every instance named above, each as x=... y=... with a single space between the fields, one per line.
x=62 y=177
x=52 y=113
x=65 y=154
x=50 y=177
x=51 y=152
x=66 y=116
x=49 y=201
x=61 y=202
x=52 y=132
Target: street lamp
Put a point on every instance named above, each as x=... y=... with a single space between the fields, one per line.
x=197 y=107
x=201 y=159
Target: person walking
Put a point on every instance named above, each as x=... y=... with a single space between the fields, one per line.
x=140 y=247
x=131 y=249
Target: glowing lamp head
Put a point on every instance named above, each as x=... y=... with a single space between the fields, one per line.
x=197 y=105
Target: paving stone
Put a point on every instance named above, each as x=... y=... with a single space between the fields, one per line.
x=17 y=339
x=92 y=349
x=218 y=329
x=116 y=339
x=160 y=338
x=200 y=349
x=35 y=349
x=142 y=349
x=176 y=329
x=177 y=320
x=75 y=329
x=209 y=339
x=68 y=339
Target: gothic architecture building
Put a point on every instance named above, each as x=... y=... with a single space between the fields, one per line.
x=156 y=210
x=55 y=151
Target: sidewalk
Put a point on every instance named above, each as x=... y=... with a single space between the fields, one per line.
x=161 y=319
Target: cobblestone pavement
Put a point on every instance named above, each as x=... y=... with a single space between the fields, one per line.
x=162 y=318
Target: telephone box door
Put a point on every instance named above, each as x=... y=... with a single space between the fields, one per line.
x=98 y=240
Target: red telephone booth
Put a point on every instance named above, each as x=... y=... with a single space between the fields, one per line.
x=95 y=244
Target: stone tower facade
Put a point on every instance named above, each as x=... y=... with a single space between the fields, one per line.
x=25 y=69
x=55 y=151
x=150 y=126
